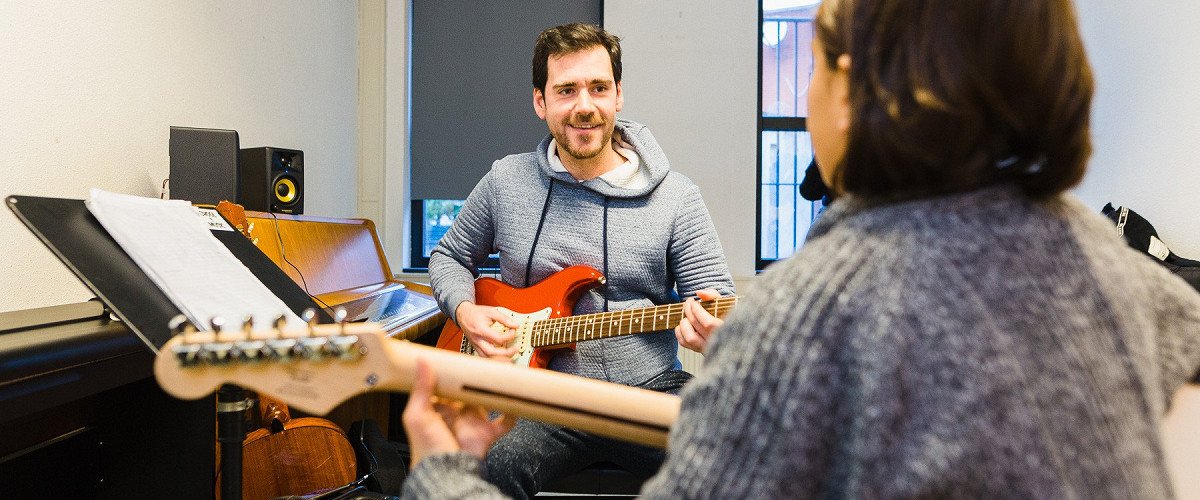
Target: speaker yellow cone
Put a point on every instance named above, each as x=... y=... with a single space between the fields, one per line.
x=285 y=190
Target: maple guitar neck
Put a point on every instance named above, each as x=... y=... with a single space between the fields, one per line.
x=315 y=370
x=571 y=329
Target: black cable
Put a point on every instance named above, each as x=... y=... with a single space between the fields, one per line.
x=283 y=255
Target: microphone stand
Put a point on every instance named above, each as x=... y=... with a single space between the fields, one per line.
x=231 y=431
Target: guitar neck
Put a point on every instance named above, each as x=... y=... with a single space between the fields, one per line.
x=612 y=410
x=571 y=329
x=332 y=364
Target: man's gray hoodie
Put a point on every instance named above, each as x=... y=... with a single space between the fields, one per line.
x=654 y=244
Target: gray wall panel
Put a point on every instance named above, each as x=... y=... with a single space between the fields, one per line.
x=471 y=92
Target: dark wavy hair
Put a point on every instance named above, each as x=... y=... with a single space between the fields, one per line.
x=570 y=38
x=951 y=95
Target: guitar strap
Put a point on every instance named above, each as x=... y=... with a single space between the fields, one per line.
x=1141 y=235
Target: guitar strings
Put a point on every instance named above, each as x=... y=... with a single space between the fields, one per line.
x=721 y=304
x=549 y=331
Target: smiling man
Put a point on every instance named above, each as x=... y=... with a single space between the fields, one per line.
x=580 y=106
x=598 y=191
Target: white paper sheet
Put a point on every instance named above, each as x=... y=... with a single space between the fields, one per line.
x=172 y=244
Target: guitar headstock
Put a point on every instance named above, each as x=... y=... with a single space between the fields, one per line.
x=314 y=368
x=236 y=215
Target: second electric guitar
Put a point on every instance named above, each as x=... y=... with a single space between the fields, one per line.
x=545 y=310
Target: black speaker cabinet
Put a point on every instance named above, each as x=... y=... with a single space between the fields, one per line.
x=272 y=180
x=204 y=165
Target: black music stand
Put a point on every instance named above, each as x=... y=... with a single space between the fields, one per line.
x=70 y=231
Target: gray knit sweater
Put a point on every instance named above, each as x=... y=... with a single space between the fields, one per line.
x=976 y=345
x=653 y=244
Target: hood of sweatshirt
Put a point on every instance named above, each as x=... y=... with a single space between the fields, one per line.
x=650 y=157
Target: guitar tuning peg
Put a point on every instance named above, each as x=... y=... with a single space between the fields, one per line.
x=340 y=316
x=310 y=317
x=248 y=325
x=216 y=324
x=179 y=325
x=279 y=323
x=250 y=228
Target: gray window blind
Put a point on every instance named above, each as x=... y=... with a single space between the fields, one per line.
x=471 y=96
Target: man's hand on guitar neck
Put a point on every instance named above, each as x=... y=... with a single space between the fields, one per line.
x=477 y=322
x=697 y=325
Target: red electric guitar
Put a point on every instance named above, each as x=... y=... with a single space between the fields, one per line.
x=544 y=311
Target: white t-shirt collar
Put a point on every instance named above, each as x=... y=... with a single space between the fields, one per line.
x=627 y=175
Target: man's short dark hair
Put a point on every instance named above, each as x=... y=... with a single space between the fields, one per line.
x=948 y=96
x=570 y=38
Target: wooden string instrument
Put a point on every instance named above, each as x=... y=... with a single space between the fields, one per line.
x=291 y=456
x=315 y=368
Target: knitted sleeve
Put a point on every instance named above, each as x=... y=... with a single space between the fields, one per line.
x=449 y=475
x=695 y=257
x=453 y=264
x=1177 y=312
x=754 y=422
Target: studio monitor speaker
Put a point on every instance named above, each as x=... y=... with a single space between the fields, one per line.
x=272 y=180
x=204 y=165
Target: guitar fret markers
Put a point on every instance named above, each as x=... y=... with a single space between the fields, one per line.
x=570 y=329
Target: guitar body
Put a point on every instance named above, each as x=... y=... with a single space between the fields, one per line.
x=293 y=456
x=553 y=297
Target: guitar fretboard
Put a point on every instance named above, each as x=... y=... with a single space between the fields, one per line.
x=570 y=329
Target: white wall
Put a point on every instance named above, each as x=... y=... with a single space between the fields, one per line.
x=690 y=74
x=89 y=89
x=396 y=161
x=1144 y=121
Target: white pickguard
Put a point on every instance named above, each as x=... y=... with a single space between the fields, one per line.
x=522 y=341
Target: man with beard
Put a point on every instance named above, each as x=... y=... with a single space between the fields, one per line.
x=598 y=191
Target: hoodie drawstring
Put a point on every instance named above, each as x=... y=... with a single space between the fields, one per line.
x=605 y=239
x=538 y=234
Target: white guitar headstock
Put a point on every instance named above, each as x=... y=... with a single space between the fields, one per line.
x=313 y=368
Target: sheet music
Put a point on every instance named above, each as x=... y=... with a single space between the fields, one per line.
x=172 y=244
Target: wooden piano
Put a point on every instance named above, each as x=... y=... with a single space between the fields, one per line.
x=341 y=263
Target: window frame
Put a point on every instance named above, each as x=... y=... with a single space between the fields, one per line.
x=418 y=261
x=768 y=124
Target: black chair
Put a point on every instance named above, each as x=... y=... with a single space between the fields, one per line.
x=603 y=478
